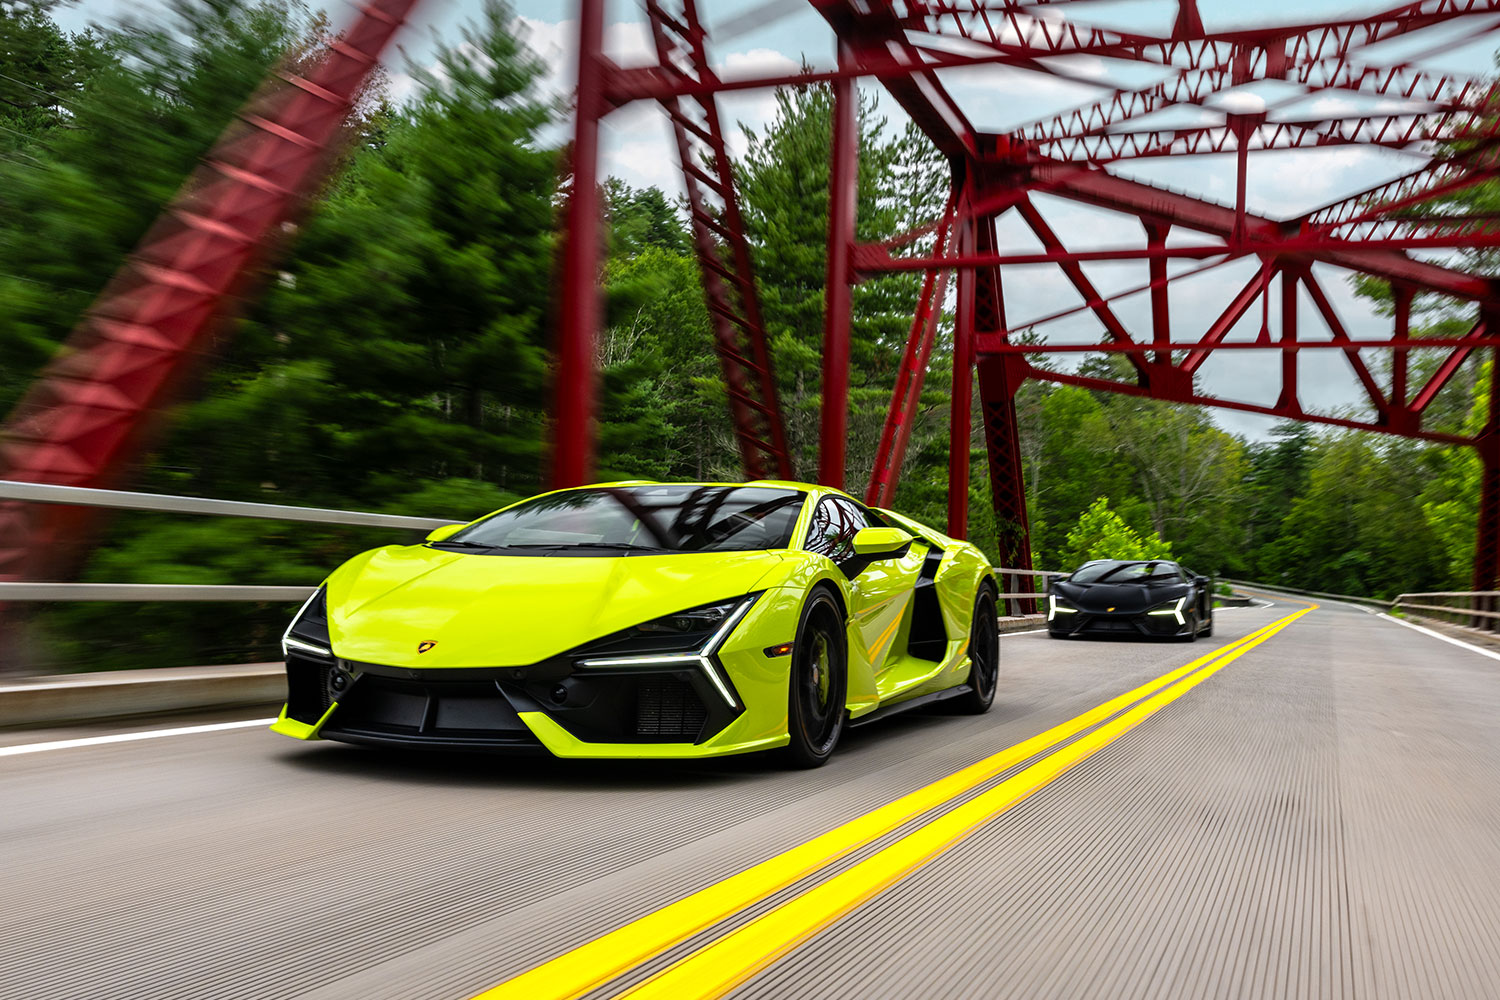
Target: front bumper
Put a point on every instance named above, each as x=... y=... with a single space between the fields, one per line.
x=1140 y=624
x=544 y=708
x=560 y=706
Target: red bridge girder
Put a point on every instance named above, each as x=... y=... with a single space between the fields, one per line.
x=85 y=419
x=1064 y=155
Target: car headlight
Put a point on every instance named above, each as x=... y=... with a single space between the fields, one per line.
x=308 y=631
x=705 y=619
x=1059 y=606
x=1173 y=608
x=702 y=630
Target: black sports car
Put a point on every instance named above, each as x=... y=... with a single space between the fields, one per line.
x=1150 y=597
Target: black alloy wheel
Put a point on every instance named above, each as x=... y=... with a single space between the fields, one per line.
x=984 y=656
x=1208 y=626
x=819 y=682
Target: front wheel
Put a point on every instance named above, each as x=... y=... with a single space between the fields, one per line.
x=818 y=685
x=984 y=656
x=1192 y=627
x=1208 y=626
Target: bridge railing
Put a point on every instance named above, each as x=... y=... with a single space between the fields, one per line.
x=1374 y=602
x=1476 y=609
x=1023 y=587
x=162 y=503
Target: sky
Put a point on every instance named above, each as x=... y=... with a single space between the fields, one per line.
x=762 y=36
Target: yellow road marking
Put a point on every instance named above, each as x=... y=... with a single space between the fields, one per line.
x=722 y=965
x=591 y=965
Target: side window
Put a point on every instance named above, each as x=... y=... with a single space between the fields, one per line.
x=834 y=524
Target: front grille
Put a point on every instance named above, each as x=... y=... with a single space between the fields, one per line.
x=668 y=709
x=419 y=711
x=307 y=693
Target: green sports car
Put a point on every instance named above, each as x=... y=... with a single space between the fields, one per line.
x=646 y=620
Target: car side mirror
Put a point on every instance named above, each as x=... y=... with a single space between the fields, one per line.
x=880 y=543
x=438 y=534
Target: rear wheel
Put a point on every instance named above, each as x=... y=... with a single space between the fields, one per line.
x=984 y=656
x=1208 y=626
x=817 y=688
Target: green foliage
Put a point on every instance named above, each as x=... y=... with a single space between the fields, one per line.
x=1101 y=534
x=134 y=113
x=784 y=181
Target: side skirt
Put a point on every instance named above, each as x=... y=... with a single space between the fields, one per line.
x=886 y=711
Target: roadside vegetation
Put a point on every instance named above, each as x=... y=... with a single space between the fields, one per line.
x=396 y=358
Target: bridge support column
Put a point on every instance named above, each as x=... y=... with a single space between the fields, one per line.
x=1487 y=537
x=575 y=388
x=843 y=183
x=1000 y=375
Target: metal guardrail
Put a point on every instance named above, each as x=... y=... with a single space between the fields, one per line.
x=162 y=503
x=1371 y=601
x=1024 y=600
x=1477 y=609
x=167 y=504
x=149 y=592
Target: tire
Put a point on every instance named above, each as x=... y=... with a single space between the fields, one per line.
x=1193 y=626
x=818 y=685
x=984 y=656
x=1208 y=628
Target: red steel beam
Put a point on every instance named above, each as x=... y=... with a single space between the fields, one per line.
x=1093 y=186
x=1340 y=335
x=1220 y=327
x=576 y=386
x=890 y=452
x=722 y=247
x=1487 y=535
x=1079 y=280
x=843 y=180
x=1023 y=34
x=1450 y=366
x=90 y=412
x=1196 y=399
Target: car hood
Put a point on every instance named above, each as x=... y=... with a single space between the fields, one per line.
x=490 y=610
x=1122 y=598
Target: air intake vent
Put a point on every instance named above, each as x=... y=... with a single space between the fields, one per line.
x=668 y=710
x=307 y=695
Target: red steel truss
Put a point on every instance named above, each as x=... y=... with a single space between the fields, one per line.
x=1447 y=120
x=1205 y=82
x=82 y=423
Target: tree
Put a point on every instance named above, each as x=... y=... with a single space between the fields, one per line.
x=134 y=113
x=784 y=180
x=45 y=70
x=1101 y=534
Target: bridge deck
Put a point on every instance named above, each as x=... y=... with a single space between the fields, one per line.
x=1318 y=818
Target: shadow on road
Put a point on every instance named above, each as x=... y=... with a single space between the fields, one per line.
x=485 y=770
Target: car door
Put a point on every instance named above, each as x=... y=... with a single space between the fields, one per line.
x=881 y=589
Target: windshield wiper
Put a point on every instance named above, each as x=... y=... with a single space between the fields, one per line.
x=463 y=543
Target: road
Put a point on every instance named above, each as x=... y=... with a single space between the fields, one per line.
x=1319 y=817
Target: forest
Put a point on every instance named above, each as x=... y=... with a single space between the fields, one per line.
x=396 y=355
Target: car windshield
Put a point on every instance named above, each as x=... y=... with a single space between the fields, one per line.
x=620 y=520
x=1112 y=571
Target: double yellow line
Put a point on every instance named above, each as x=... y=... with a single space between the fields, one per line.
x=720 y=966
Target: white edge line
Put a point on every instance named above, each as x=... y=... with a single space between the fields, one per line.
x=1446 y=638
x=150 y=734
x=1030 y=631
